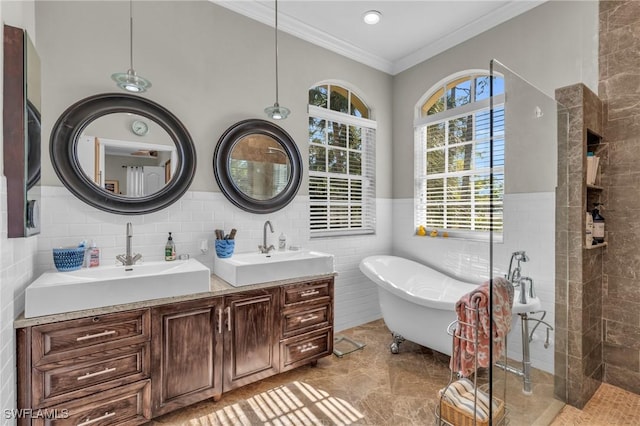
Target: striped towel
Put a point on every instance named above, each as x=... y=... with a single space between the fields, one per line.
x=460 y=394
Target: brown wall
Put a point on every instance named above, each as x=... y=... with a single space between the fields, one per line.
x=579 y=372
x=619 y=88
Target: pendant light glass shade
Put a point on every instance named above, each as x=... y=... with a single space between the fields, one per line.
x=130 y=80
x=277 y=112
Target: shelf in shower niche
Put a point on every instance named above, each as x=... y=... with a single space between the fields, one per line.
x=594 y=187
x=595 y=246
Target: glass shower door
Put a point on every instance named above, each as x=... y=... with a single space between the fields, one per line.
x=528 y=149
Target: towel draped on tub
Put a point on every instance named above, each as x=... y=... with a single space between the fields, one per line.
x=470 y=324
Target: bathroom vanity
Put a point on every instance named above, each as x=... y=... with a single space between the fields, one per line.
x=126 y=364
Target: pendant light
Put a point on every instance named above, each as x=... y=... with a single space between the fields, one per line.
x=130 y=81
x=277 y=112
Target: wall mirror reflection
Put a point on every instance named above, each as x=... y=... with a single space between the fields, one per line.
x=257 y=166
x=122 y=153
x=140 y=168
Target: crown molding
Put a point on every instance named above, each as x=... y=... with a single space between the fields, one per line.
x=480 y=25
x=264 y=14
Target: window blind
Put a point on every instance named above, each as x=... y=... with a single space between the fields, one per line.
x=341 y=174
x=456 y=189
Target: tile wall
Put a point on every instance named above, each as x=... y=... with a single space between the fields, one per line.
x=193 y=218
x=17 y=270
x=619 y=89
x=579 y=292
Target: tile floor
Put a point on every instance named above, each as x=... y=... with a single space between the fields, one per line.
x=387 y=389
x=608 y=406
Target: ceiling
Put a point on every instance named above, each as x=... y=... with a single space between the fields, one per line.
x=408 y=33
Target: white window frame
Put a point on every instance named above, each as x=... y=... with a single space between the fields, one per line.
x=367 y=175
x=420 y=151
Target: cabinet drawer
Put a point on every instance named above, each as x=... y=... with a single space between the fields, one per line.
x=82 y=376
x=126 y=405
x=302 y=320
x=305 y=348
x=67 y=339
x=308 y=292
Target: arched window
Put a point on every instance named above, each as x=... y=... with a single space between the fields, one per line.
x=454 y=186
x=341 y=163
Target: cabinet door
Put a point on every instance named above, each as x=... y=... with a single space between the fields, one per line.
x=186 y=349
x=251 y=338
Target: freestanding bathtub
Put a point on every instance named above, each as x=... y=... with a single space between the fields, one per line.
x=418 y=302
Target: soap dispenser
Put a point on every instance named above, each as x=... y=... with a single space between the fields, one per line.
x=170 y=249
x=282 y=242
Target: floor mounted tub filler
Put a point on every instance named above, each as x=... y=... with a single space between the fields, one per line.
x=418 y=302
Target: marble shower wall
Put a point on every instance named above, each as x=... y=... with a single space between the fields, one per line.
x=579 y=270
x=619 y=88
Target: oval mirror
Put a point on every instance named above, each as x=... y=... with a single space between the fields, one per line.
x=122 y=153
x=257 y=166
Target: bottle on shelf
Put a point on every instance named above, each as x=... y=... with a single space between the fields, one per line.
x=598 y=224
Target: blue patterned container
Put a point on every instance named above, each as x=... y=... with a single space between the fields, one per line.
x=224 y=248
x=68 y=259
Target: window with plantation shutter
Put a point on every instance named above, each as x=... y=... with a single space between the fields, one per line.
x=341 y=163
x=458 y=189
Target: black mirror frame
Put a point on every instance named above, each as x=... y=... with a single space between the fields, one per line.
x=78 y=116
x=222 y=155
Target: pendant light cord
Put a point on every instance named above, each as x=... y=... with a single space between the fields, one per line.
x=131 y=33
x=276 y=38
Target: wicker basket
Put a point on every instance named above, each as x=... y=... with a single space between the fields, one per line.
x=455 y=416
x=68 y=259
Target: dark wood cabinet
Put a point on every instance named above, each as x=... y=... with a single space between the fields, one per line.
x=92 y=371
x=125 y=368
x=251 y=337
x=186 y=353
x=306 y=323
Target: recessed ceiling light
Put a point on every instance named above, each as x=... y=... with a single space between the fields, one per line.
x=371 y=17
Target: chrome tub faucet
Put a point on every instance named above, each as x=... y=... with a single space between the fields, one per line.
x=515 y=276
x=263 y=248
x=127 y=259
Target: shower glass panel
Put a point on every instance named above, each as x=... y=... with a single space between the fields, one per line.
x=528 y=203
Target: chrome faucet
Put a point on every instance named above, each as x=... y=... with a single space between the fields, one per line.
x=515 y=276
x=263 y=248
x=127 y=259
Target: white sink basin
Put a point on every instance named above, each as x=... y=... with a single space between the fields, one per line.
x=59 y=292
x=532 y=305
x=253 y=268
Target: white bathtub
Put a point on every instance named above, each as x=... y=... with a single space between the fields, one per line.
x=418 y=303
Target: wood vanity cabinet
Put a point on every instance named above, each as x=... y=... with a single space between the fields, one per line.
x=186 y=353
x=251 y=337
x=306 y=324
x=125 y=368
x=86 y=371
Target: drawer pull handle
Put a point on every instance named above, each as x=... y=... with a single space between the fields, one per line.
x=309 y=318
x=228 y=311
x=219 y=321
x=93 y=336
x=97 y=419
x=97 y=373
x=309 y=293
x=306 y=348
